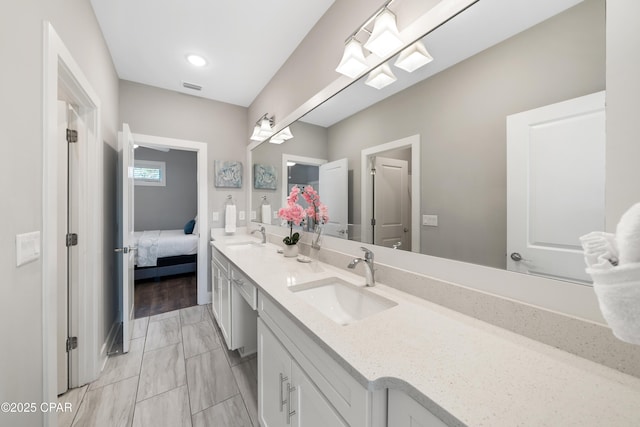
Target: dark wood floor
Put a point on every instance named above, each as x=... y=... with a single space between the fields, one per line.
x=165 y=294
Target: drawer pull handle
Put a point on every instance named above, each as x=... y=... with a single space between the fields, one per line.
x=282 y=401
x=290 y=413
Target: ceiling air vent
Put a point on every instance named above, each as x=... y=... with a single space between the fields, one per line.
x=191 y=86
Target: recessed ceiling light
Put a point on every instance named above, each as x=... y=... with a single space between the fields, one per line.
x=196 y=60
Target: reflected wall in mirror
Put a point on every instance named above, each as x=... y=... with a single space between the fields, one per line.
x=488 y=65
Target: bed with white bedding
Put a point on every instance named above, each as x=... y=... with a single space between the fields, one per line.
x=165 y=252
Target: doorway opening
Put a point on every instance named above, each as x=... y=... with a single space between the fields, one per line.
x=390 y=204
x=148 y=246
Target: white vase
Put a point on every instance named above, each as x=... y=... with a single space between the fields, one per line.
x=290 y=251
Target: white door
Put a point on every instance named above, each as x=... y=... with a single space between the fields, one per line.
x=334 y=182
x=391 y=207
x=555 y=186
x=126 y=237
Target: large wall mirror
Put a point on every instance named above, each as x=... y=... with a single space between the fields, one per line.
x=491 y=154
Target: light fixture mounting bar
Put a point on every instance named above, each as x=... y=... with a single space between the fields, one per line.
x=369 y=20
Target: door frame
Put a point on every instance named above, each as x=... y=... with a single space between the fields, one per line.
x=204 y=294
x=285 y=171
x=60 y=69
x=412 y=142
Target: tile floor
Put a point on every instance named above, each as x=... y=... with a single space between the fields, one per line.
x=178 y=373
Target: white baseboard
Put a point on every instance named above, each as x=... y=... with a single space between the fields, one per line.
x=108 y=343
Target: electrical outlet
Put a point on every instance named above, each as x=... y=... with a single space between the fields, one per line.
x=27 y=247
x=430 y=220
x=253 y=215
x=275 y=214
x=215 y=216
x=241 y=215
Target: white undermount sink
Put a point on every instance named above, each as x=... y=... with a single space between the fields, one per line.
x=245 y=244
x=341 y=301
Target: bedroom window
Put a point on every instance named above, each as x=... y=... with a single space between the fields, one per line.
x=148 y=172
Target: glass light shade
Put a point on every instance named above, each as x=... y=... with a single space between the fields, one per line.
x=385 y=37
x=276 y=139
x=285 y=134
x=353 y=62
x=265 y=129
x=381 y=77
x=255 y=136
x=413 y=57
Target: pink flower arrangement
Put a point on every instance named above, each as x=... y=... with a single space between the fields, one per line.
x=317 y=211
x=293 y=213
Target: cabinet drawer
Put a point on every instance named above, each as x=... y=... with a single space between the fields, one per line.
x=245 y=288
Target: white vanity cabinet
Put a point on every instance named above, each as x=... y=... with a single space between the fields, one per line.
x=406 y=412
x=233 y=307
x=299 y=384
x=286 y=395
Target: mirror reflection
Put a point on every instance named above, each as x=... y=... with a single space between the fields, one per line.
x=435 y=161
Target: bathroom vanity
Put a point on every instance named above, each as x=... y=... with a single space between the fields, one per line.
x=382 y=357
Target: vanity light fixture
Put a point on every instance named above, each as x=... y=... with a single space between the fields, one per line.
x=385 y=37
x=381 y=77
x=196 y=60
x=413 y=57
x=282 y=136
x=262 y=129
x=353 y=62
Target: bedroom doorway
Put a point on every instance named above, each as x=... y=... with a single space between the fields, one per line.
x=147 y=244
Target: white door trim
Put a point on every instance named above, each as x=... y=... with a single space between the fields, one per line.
x=412 y=142
x=59 y=68
x=285 y=171
x=204 y=294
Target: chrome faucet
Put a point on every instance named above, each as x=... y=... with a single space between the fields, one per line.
x=262 y=231
x=368 y=261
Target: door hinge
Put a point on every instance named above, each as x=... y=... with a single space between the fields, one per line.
x=72 y=239
x=72 y=135
x=72 y=343
x=373 y=221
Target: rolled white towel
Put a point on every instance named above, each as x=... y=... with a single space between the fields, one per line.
x=600 y=249
x=628 y=235
x=230 y=219
x=266 y=214
x=618 y=292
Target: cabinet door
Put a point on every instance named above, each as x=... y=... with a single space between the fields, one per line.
x=310 y=406
x=216 y=276
x=406 y=412
x=224 y=320
x=274 y=374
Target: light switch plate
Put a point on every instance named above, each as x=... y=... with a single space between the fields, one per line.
x=215 y=216
x=430 y=220
x=241 y=215
x=27 y=247
x=253 y=215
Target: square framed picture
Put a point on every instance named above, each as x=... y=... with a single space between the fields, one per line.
x=228 y=174
x=264 y=177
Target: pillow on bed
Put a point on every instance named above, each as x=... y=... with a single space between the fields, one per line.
x=188 y=227
x=196 y=229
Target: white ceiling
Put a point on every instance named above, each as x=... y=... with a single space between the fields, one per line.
x=244 y=41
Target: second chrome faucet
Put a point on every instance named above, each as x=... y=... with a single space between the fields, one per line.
x=368 y=262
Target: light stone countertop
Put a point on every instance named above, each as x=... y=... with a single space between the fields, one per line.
x=465 y=371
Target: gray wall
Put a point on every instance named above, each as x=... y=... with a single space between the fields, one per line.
x=460 y=115
x=623 y=108
x=21 y=118
x=160 y=112
x=171 y=206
